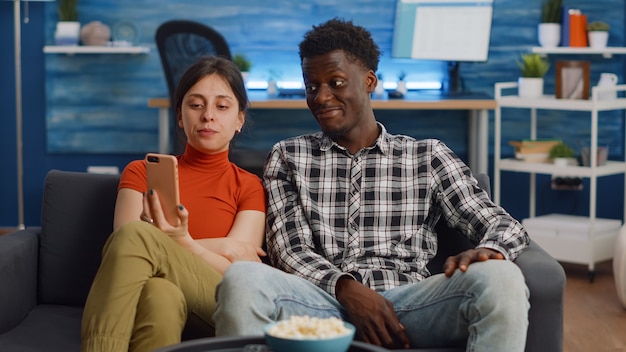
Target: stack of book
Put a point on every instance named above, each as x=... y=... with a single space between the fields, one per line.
x=534 y=151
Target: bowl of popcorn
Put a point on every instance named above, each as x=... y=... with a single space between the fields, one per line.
x=309 y=334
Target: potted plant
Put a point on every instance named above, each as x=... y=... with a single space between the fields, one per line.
x=533 y=67
x=244 y=65
x=561 y=154
x=68 y=28
x=549 y=30
x=598 y=34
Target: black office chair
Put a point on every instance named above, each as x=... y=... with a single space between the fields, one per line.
x=180 y=44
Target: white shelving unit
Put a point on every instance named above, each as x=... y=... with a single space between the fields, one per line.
x=88 y=49
x=605 y=52
x=593 y=248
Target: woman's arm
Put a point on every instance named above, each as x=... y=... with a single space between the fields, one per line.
x=128 y=207
x=245 y=239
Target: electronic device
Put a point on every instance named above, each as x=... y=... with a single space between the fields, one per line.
x=162 y=175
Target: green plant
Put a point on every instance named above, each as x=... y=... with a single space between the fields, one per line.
x=242 y=62
x=68 y=10
x=561 y=150
x=598 y=26
x=551 y=11
x=533 y=65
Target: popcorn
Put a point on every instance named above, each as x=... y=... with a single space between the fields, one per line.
x=305 y=327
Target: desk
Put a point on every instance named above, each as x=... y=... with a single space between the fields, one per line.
x=478 y=106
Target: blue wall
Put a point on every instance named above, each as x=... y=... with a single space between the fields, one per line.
x=119 y=85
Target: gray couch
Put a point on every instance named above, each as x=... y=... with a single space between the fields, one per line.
x=45 y=273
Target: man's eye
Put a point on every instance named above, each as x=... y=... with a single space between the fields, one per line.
x=336 y=84
x=310 y=88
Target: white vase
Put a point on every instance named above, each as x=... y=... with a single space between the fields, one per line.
x=549 y=34
x=530 y=87
x=401 y=87
x=598 y=39
x=271 y=87
x=67 y=33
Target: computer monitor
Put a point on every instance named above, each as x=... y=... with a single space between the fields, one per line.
x=445 y=30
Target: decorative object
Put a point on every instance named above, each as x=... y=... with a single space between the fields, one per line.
x=68 y=28
x=601 y=156
x=95 y=33
x=125 y=33
x=533 y=67
x=561 y=153
x=607 y=80
x=17 y=46
x=577 y=29
x=243 y=64
x=598 y=34
x=272 y=88
x=572 y=79
x=549 y=30
x=533 y=151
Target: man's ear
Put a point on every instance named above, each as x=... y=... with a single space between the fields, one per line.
x=371 y=80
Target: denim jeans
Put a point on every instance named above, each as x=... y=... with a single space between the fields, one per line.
x=485 y=308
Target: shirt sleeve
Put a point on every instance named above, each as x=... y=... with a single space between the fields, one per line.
x=469 y=209
x=134 y=176
x=290 y=243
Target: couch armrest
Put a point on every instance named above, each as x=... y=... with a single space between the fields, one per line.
x=18 y=276
x=545 y=279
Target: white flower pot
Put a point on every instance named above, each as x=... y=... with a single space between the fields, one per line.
x=530 y=87
x=401 y=87
x=67 y=33
x=549 y=34
x=598 y=39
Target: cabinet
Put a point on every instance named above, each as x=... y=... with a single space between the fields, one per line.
x=594 y=246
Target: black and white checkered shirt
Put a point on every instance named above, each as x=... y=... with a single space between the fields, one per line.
x=372 y=215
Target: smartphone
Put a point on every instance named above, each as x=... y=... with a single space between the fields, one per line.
x=162 y=171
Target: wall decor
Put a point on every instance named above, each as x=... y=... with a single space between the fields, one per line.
x=572 y=80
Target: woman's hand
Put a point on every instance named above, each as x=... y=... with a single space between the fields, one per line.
x=153 y=212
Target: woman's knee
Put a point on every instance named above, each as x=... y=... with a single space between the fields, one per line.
x=161 y=301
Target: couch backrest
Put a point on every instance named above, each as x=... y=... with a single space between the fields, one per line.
x=77 y=218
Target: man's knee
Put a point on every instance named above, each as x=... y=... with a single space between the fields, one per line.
x=498 y=277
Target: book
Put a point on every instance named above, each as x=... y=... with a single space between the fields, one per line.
x=578 y=30
x=565 y=26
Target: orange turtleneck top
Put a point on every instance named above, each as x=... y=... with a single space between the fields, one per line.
x=212 y=188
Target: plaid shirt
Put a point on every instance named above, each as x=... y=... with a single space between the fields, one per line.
x=372 y=215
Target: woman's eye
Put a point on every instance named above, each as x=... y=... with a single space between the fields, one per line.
x=195 y=106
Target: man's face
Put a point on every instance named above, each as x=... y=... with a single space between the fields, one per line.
x=337 y=91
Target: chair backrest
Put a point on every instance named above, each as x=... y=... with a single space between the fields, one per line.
x=180 y=44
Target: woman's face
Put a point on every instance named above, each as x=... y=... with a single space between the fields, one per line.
x=210 y=115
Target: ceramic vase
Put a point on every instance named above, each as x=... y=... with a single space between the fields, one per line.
x=530 y=87
x=549 y=34
x=67 y=33
x=598 y=39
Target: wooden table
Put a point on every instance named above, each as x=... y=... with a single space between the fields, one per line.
x=478 y=106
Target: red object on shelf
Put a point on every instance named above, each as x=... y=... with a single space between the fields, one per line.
x=578 y=30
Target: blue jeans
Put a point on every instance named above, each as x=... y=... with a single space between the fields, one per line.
x=485 y=308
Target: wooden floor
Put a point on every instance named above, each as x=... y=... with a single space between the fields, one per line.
x=594 y=320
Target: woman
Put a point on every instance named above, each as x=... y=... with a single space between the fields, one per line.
x=154 y=275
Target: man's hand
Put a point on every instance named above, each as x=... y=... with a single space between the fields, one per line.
x=372 y=315
x=463 y=260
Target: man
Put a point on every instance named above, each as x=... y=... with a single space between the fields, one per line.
x=352 y=211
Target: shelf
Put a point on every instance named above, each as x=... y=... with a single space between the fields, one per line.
x=610 y=168
x=78 y=49
x=550 y=101
x=606 y=52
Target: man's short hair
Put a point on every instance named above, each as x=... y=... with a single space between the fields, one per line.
x=337 y=34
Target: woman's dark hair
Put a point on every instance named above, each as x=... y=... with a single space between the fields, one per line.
x=337 y=34
x=209 y=65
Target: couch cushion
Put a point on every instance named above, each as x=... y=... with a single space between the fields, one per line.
x=47 y=328
x=77 y=218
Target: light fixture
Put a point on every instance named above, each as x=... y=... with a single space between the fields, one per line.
x=18 y=106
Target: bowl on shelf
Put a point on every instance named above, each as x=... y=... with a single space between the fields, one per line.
x=283 y=338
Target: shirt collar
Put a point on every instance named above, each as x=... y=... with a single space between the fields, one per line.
x=383 y=142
